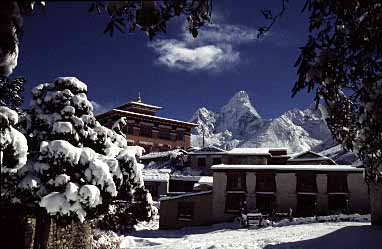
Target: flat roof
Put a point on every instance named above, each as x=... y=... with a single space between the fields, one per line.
x=185 y=178
x=290 y=167
x=249 y=151
x=156 y=175
x=185 y=195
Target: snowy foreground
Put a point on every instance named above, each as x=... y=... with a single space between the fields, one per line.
x=328 y=235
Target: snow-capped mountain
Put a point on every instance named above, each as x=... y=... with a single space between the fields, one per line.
x=238 y=124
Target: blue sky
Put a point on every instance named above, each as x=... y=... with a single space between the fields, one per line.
x=174 y=71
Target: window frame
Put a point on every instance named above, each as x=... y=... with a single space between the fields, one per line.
x=337 y=183
x=216 y=158
x=240 y=198
x=201 y=159
x=230 y=178
x=164 y=133
x=264 y=177
x=145 y=131
x=302 y=178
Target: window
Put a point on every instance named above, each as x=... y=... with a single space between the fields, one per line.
x=337 y=183
x=338 y=204
x=201 y=162
x=216 y=161
x=236 y=181
x=130 y=129
x=145 y=131
x=233 y=202
x=164 y=133
x=265 y=182
x=265 y=203
x=306 y=183
x=185 y=211
x=180 y=135
x=306 y=205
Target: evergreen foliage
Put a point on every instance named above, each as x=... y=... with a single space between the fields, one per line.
x=77 y=167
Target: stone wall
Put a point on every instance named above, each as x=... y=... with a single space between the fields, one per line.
x=219 y=198
x=286 y=196
x=202 y=207
x=322 y=194
x=251 y=191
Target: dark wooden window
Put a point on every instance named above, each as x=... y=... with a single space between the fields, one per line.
x=337 y=183
x=306 y=205
x=164 y=133
x=201 y=162
x=233 y=202
x=216 y=161
x=306 y=182
x=185 y=211
x=130 y=129
x=181 y=186
x=265 y=203
x=265 y=182
x=338 y=204
x=235 y=160
x=236 y=181
x=145 y=131
x=180 y=135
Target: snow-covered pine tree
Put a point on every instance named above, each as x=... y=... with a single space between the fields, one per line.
x=13 y=154
x=10 y=94
x=78 y=167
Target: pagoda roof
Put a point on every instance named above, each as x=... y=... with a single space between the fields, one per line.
x=150 y=118
x=139 y=104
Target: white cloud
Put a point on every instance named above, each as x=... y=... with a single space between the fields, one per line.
x=215 y=48
x=223 y=33
x=178 y=54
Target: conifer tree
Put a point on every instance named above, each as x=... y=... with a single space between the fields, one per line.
x=77 y=167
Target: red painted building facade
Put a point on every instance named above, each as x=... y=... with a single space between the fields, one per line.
x=146 y=129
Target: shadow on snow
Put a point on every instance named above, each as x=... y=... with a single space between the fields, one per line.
x=351 y=237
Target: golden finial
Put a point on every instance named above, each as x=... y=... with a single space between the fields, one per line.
x=139 y=97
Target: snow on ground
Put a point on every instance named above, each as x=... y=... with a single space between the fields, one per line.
x=330 y=235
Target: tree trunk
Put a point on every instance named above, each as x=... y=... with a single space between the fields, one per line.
x=42 y=229
x=69 y=234
x=376 y=203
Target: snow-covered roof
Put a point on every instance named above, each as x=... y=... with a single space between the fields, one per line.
x=156 y=175
x=206 y=180
x=185 y=178
x=277 y=148
x=347 y=168
x=210 y=148
x=154 y=117
x=185 y=195
x=144 y=105
x=249 y=151
x=171 y=153
x=301 y=157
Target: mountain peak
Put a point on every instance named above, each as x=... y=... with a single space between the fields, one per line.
x=240 y=104
x=239 y=125
x=242 y=95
